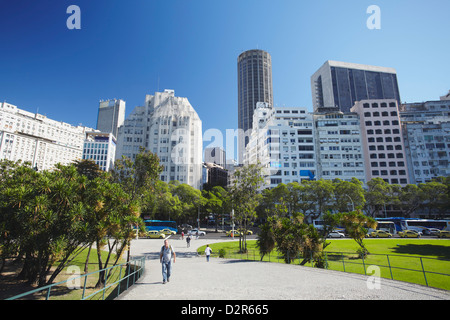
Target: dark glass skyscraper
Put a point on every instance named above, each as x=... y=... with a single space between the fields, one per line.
x=341 y=84
x=254 y=85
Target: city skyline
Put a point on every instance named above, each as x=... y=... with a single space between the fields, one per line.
x=126 y=51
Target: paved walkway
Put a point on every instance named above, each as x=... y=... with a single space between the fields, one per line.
x=221 y=279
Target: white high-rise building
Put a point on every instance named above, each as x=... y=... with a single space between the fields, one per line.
x=426 y=133
x=101 y=148
x=111 y=115
x=339 y=146
x=169 y=127
x=32 y=137
x=382 y=140
x=282 y=141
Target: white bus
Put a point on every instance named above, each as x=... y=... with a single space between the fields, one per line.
x=422 y=225
x=387 y=226
x=318 y=224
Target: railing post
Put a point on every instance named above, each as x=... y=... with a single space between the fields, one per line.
x=390 y=269
x=84 y=287
x=364 y=265
x=343 y=262
x=423 y=269
x=128 y=274
x=120 y=280
x=104 y=285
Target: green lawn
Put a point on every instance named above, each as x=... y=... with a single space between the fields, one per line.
x=392 y=256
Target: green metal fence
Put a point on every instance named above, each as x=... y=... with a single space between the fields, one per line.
x=432 y=272
x=116 y=279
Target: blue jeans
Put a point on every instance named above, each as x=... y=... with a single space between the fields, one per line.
x=166 y=270
x=207 y=257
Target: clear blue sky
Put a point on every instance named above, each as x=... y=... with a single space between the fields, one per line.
x=192 y=46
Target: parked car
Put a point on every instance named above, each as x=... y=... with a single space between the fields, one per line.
x=431 y=231
x=168 y=231
x=380 y=234
x=231 y=232
x=152 y=234
x=409 y=234
x=193 y=232
x=249 y=232
x=443 y=234
x=335 y=234
x=185 y=226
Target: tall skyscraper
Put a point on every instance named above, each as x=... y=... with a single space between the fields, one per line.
x=340 y=84
x=111 y=115
x=254 y=85
x=169 y=127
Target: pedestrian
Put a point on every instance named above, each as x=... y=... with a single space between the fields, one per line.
x=188 y=241
x=196 y=235
x=182 y=235
x=165 y=257
x=208 y=252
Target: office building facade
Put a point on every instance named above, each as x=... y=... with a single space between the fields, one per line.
x=111 y=115
x=215 y=155
x=382 y=140
x=101 y=148
x=340 y=84
x=32 y=137
x=169 y=127
x=254 y=85
x=339 y=146
x=283 y=142
x=426 y=132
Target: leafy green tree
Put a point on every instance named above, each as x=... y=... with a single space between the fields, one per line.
x=319 y=194
x=377 y=196
x=88 y=168
x=435 y=195
x=137 y=178
x=42 y=216
x=266 y=239
x=348 y=195
x=191 y=201
x=410 y=199
x=288 y=234
x=357 y=224
x=216 y=202
x=245 y=198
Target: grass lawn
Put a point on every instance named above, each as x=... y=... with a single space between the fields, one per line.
x=392 y=256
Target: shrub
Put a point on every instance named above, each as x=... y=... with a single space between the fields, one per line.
x=222 y=253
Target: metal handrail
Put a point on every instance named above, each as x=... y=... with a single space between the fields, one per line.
x=140 y=262
x=255 y=253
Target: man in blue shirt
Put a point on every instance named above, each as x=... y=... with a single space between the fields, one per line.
x=165 y=257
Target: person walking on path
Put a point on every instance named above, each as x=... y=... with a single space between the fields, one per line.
x=188 y=241
x=165 y=257
x=208 y=252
